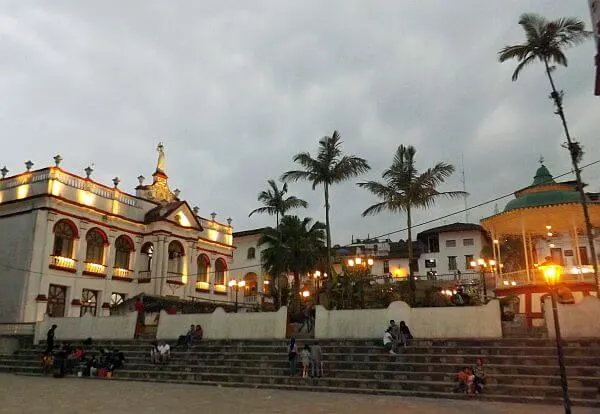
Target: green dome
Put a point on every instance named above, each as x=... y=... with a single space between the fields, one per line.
x=543 y=198
x=542 y=176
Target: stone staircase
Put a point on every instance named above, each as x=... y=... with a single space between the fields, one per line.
x=517 y=370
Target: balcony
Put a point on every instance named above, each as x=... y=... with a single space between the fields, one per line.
x=175 y=278
x=252 y=299
x=202 y=286
x=220 y=289
x=122 y=274
x=144 y=276
x=62 y=263
x=94 y=269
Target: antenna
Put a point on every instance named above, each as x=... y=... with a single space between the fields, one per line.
x=464 y=183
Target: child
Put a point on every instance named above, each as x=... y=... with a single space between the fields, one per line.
x=478 y=377
x=465 y=381
x=305 y=356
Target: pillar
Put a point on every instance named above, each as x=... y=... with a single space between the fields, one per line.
x=525 y=250
x=157 y=276
x=575 y=238
x=40 y=307
x=164 y=265
x=135 y=261
x=109 y=263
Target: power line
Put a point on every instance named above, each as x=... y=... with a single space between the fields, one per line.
x=476 y=205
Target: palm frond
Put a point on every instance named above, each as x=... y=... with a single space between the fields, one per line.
x=291 y=203
x=528 y=60
x=297 y=175
x=261 y=210
x=375 y=209
x=348 y=166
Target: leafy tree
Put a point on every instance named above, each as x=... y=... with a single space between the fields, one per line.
x=275 y=203
x=329 y=167
x=545 y=41
x=405 y=189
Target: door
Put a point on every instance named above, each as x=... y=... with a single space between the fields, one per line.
x=89 y=302
x=57 y=296
x=557 y=255
x=584 y=256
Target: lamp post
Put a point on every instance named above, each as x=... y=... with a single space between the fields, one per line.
x=234 y=284
x=552 y=273
x=317 y=275
x=483 y=265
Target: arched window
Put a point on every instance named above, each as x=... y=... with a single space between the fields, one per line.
x=89 y=302
x=64 y=234
x=251 y=287
x=267 y=285
x=94 y=252
x=203 y=274
x=251 y=253
x=123 y=249
x=176 y=254
x=220 y=269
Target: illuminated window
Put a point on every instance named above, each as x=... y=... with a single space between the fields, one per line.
x=203 y=269
x=430 y=263
x=116 y=299
x=220 y=269
x=468 y=260
x=94 y=252
x=64 y=235
x=123 y=249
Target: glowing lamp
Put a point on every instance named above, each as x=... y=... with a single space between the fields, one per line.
x=370 y=262
x=242 y=283
x=350 y=262
x=358 y=261
x=551 y=272
x=306 y=293
x=266 y=282
x=318 y=273
x=473 y=263
x=481 y=262
x=232 y=283
x=492 y=263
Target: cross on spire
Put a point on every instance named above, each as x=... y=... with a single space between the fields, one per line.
x=541 y=160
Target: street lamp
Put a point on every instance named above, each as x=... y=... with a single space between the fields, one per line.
x=305 y=294
x=234 y=284
x=552 y=276
x=483 y=266
x=317 y=275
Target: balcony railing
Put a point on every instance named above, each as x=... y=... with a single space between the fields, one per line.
x=252 y=299
x=221 y=289
x=144 y=276
x=121 y=273
x=202 y=286
x=95 y=269
x=175 y=278
x=62 y=263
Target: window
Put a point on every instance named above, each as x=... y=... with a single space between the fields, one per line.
x=468 y=242
x=451 y=263
x=251 y=253
x=203 y=263
x=64 y=234
x=220 y=269
x=433 y=244
x=94 y=252
x=89 y=302
x=450 y=243
x=468 y=260
x=386 y=266
x=147 y=253
x=116 y=299
x=175 y=258
x=123 y=249
x=430 y=263
x=57 y=296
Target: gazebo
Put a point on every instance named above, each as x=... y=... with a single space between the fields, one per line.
x=548 y=218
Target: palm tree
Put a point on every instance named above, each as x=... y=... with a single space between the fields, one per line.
x=545 y=42
x=294 y=248
x=405 y=189
x=329 y=167
x=275 y=203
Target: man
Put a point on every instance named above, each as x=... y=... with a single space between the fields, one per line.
x=396 y=334
x=316 y=357
x=50 y=339
x=164 y=352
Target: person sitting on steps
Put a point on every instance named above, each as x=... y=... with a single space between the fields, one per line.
x=388 y=341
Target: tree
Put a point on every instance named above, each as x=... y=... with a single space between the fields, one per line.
x=275 y=203
x=294 y=249
x=545 y=42
x=405 y=189
x=329 y=167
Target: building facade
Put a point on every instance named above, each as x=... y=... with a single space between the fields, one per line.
x=74 y=246
x=248 y=268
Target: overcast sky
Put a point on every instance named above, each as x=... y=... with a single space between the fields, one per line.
x=236 y=88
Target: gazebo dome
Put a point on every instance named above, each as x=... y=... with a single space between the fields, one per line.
x=543 y=198
x=543 y=176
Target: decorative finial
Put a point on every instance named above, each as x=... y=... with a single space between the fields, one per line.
x=176 y=192
x=28 y=165
x=196 y=209
x=229 y=220
x=213 y=215
x=116 y=181
x=57 y=160
x=88 y=171
x=141 y=179
x=541 y=160
x=4 y=171
x=160 y=164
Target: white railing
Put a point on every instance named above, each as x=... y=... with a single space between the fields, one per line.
x=13 y=329
x=253 y=299
x=95 y=268
x=175 y=277
x=144 y=276
x=204 y=286
x=120 y=272
x=62 y=262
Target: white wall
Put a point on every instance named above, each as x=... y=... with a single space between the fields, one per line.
x=460 y=251
x=222 y=325
x=241 y=261
x=109 y=327
x=448 y=322
x=579 y=320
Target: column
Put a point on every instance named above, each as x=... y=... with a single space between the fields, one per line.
x=157 y=279
x=211 y=274
x=109 y=263
x=40 y=307
x=192 y=270
x=575 y=238
x=164 y=265
x=135 y=261
x=80 y=249
x=525 y=250
x=531 y=255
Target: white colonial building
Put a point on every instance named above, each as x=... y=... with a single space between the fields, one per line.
x=73 y=246
x=248 y=268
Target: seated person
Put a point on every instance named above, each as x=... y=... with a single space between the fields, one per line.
x=154 y=353
x=404 y=335
x=465 y=381
x=198 y=333
x=478 y=377
x=187 y=338
x=164 y=352
x=388 y=341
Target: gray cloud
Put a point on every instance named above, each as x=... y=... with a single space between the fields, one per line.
x=235 y=89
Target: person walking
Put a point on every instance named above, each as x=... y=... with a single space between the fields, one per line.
x=316 y=356
x=50 y=339
x=293 y=356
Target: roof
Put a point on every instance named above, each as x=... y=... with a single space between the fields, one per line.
x=543 y=198
x=162 y=212
x=543 y=176
x=451 y=228
x=251 y=232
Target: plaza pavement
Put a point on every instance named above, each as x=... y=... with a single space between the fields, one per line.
x=31 y=395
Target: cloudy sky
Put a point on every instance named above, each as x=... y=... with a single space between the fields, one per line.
x=236 y=88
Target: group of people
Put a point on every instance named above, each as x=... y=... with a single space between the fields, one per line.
x=395 y=336
x=194 y=334
x=160 y=353
x=310 y=356
x=471 y=380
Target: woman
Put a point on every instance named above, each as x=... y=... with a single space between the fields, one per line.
x=478 y=376
x=405 y=335
x=293 y=356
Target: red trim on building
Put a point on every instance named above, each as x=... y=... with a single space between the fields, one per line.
x=75 y=302
x=98 y=275
x=122 y=278
x=63 y=269
x=68 y=223
x=41 y=298
x=146 y=280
